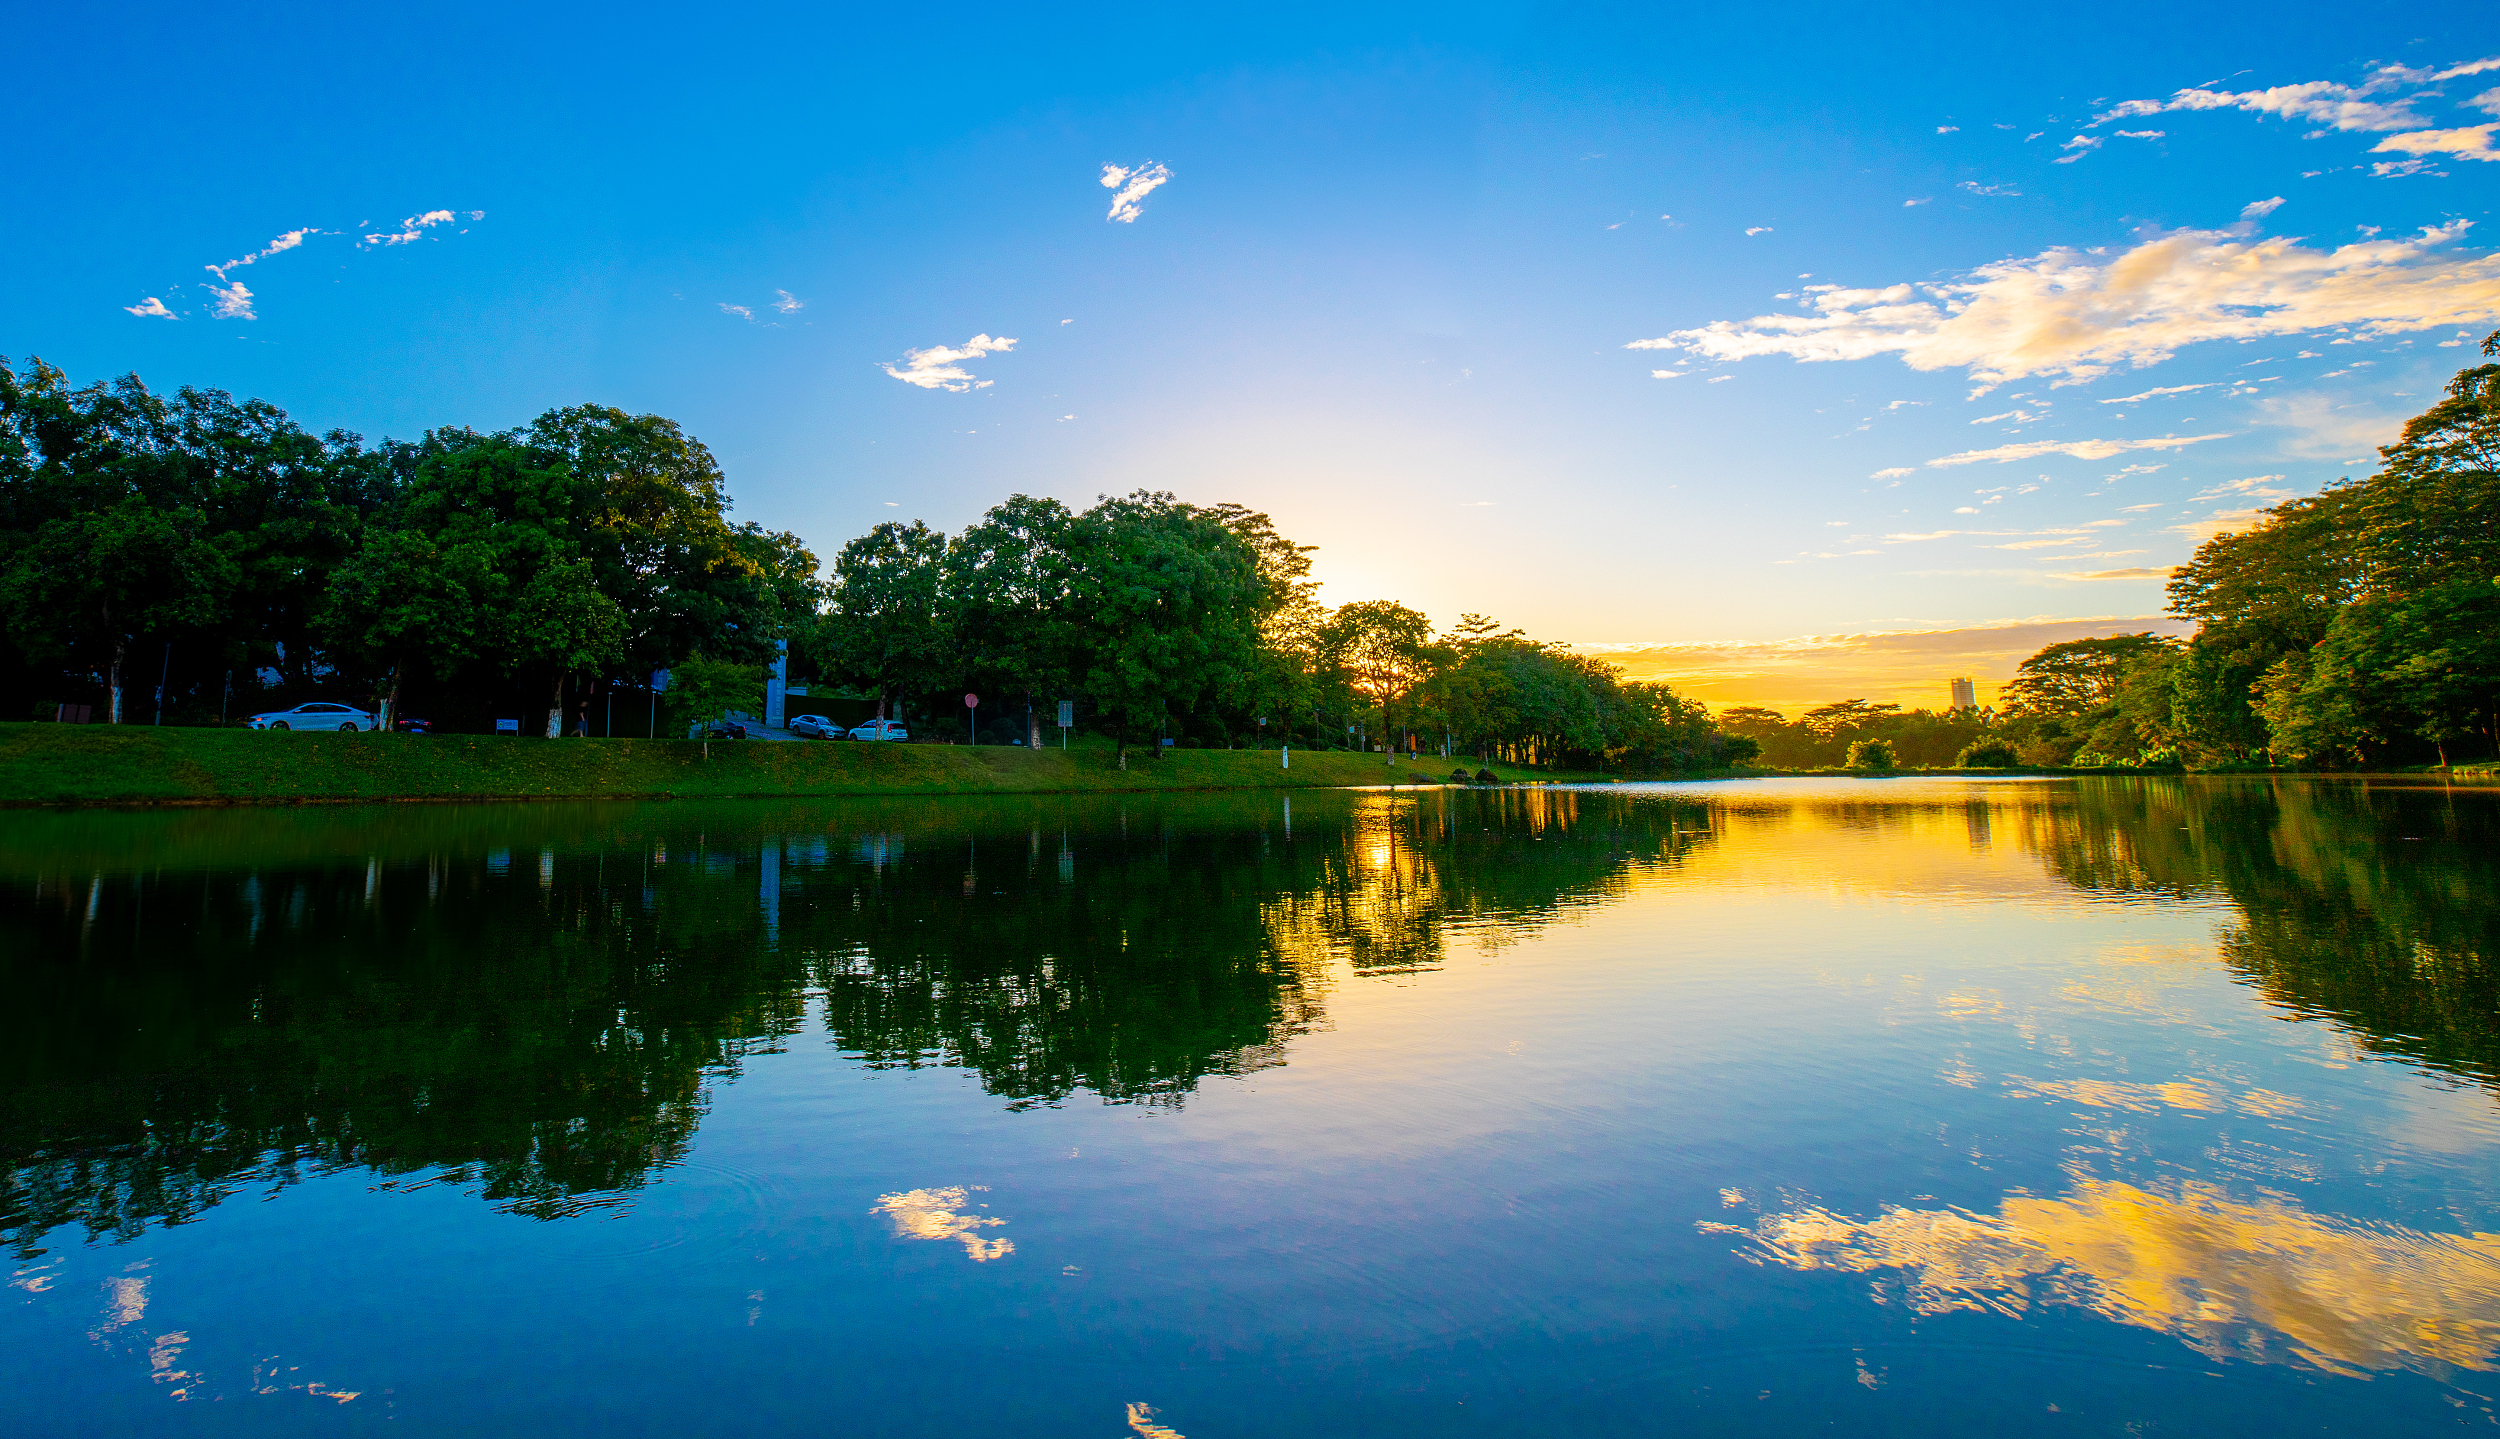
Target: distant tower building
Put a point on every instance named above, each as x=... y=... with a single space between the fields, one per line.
x=1964 y=697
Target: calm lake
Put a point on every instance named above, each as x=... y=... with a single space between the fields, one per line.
x=1918 y=1107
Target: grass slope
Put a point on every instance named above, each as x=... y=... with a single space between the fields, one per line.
x=97 y=764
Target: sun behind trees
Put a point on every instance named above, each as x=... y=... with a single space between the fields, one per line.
x=190 y=559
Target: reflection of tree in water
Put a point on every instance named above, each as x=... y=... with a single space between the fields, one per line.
x=529 y=1001
x=537 y=1033
x=2376 y=906
x=1410 y=872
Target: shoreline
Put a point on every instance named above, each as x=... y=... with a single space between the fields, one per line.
x=45 y=766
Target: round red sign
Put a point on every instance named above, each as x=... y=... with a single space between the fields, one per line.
x=972 y=702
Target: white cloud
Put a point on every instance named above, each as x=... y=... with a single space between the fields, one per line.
x=788 y=303
x=233 y=302
x=2319 y=102
x=1978 y=189
x=2080 y=449
x=1718 y=379
x=2488 y=102
x=1923 y=200
x=1892 y=474
x=1666 y=374
x=1899 y=404
x=2259 y=209
x=2081 y=146
x=414 y=227
x=1947 y=129
x=2473 y=142
x=741 y=311
x=2079 y=313
x=939 y=367
x=1759 y=230
x=152 y=308
x=2164 y=390
x=2143 y=134
x=1134 y=184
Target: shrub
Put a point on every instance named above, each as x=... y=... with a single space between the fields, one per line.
x=1871 y=754
x=2090 y=759
x=1739 y=749
x=1987 y=754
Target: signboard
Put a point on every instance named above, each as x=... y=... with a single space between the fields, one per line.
x=972 y=702
x=1067 y=714
x=507 y=726
x=659 y=681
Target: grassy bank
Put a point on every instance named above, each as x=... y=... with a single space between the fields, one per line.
x=97 y=764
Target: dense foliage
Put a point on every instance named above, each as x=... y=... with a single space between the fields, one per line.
x=194 y=559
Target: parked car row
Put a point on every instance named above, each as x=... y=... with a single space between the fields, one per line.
x=323 y=715
x=819 y=727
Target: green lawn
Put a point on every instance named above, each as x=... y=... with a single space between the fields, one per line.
x=75 y=764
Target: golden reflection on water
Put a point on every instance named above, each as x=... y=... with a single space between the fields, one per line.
x=2264 y=1281
x=939 y=1214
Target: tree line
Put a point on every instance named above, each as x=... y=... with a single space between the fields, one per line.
x=2356 y=627
x=191 y=558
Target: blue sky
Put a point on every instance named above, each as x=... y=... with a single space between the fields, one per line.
x=1389 y=293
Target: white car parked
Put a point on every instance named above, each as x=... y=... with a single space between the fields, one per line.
x=320 y=714
x=881 y=729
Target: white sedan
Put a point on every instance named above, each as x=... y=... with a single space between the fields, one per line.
x=881 y=729
x=318 y=715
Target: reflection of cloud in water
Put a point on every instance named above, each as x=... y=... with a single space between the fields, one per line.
x=2266 y=1282
x=933 y=1214
x=1141 y=1417
x=2146 y=1098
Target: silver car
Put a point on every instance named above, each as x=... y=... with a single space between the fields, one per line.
x=320 y=714
x=815 y=727
x=881 y=729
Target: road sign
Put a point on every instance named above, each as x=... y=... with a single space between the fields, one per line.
x=1067 y=714
x=972 y=702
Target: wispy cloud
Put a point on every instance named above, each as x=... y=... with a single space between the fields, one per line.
x=1947 y=129
x=2163 y=390
x=2079 y=147
x=2329 y=427
x=234 y=301
x=2259 y=209
x=788 y=303
x=414 y=227
x=2132 y=572
x=2079 y=449
x=1894 y=473
x=741 y=311
x=278 y=246
x=1758 y=230
x=2385 y=101
x=940 y=367
x=1978 y=189
x=2080 y=313
x=1134 y=184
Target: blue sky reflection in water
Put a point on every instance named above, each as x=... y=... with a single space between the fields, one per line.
x=1923 y=1107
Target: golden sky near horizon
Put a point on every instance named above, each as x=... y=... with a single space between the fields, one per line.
x=1910 y=668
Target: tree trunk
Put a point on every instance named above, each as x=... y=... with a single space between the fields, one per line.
x=555 y=708
x=113 y=681
x=390 y=698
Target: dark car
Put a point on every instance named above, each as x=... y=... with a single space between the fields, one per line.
x=413 y=726
x=725 y=729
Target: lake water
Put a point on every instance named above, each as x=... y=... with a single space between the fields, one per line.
x=1917 y=1107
